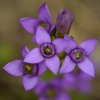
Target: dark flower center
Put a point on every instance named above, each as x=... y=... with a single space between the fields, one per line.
x=47 y=50
x=43 y=24
x=51 y=94
x=77 y=55
x=28 y=69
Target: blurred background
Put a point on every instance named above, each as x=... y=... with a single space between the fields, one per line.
x=13 y=37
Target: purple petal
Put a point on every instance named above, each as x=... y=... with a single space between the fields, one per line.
x=42 y=68
x=87 y=66
x=64 y=21
x=42 y=36
x=34 y=38
x=24 y=51
x=44 y=14
x=29 y=24
x=29 y=82
x=62 y=96
x=67 y=66
x=89 y=46
x=60 y=44
x=53 y=63
x=14 y=68
x=53 y=28
x=71 y=44
x=34 y=56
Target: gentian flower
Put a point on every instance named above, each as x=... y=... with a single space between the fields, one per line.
x=29 y=72
x=51 y=90
x=80 y=82
x=47 y=50
x=83 y=83
x=63 y=23
x=44 y=19
x=78 y=55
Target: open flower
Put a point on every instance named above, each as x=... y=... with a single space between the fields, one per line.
x=29 y=72
x=44 y=19
x=79 y=55
x=47 y=50
x=51 y=90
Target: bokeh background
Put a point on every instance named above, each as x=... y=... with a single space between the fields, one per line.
x=13 y=36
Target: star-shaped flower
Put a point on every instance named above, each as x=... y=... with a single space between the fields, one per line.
x=30 y=24
x=78 y=55
x=29 y=72
x=47 y=50
x=51 y=90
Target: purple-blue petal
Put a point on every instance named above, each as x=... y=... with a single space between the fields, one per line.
x=42 y=36
x=71 y=43
x=34 y=56
x=44 y=14
x=60 y=44
x=89 y=46
x=62 y=96
x=68 y=65
x=42 y=67
x=24 y=51
x=29 y=24
x=14 y=68
x=29 y=82
x=87 y=66
x=53 y=63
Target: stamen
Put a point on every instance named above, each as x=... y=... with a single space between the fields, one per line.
x=28 y=68
x=43 y=24
x=77 y=55
x=47 y=50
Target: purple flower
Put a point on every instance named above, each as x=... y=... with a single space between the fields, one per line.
x=63 y=23
x=29 y=72
x=78 y=55
x=51 y=90
x=83 y=82
x=47 y=50
x=44 y=19
x=80 y=82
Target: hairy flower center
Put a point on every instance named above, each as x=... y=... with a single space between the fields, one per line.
x=47 y=50
x=28 y=69
x=77 y=55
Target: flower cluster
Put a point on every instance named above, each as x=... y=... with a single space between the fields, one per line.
x=57 y=52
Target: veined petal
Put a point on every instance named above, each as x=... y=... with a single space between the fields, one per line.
x=42 y=36
x=89 y=46
x=44 y=14
x=53 y=63
x=29 y=82
x=29 y=24
x=87 y=66
x=42 y=67
x=67 y=66
x=24 y=51
x=14 y=68
x=71 y=44
x=34 y=56
x=60 y=44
